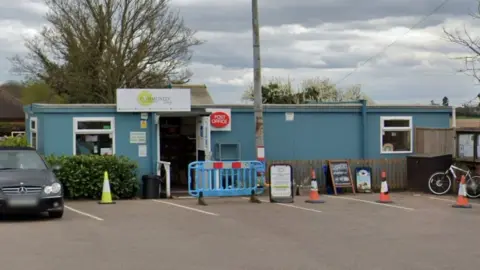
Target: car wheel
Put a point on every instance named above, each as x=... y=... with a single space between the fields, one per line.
x=55 y=214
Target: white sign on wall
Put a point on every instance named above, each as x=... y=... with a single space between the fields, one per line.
x=220 y=119
x=289 y=116
x=138 y=137
x=153 y=100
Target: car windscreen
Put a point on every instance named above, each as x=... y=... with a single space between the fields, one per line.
x=18 y=159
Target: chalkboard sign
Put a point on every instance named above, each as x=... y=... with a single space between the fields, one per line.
x=340 y=174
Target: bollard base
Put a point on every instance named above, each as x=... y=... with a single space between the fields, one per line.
x=201 y=200
x=254 y=198
x=383 y=201
x=314 y=201
x=462 y=206
x=297 y=192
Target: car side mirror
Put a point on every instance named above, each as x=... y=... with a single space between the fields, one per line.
x=56 y=167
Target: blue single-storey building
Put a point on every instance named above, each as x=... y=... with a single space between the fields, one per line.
x=192 y=131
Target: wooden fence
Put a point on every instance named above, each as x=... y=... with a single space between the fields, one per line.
x=434 y=141
x=396 y=170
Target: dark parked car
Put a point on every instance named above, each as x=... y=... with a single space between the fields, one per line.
x=27 y=184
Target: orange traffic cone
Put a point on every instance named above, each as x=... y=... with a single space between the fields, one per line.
x=314 y=197
x=384 y=195
x=462 y=199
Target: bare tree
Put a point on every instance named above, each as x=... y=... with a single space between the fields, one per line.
x=469 y=42
x=92 y=47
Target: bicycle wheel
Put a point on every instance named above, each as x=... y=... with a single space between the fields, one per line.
x=473 y=187
x=439 y=183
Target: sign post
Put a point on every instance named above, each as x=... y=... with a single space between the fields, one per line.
x=281 y=183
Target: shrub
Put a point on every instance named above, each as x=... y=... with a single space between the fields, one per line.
x=82 y=175
x=14 y=141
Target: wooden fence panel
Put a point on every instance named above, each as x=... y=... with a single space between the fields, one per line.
x=396 y=170
x=434 y=141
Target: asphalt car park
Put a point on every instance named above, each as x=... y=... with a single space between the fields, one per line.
x=346 y=232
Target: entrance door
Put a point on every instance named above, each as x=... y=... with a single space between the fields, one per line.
x=203 y=150
x=203 y=138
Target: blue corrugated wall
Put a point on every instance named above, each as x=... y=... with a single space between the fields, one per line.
x=55 y=131
x=319 y=133
x=316 y=132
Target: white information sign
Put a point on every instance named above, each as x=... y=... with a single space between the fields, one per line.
x=153 y=100
x=289 y=116
x=142 y=150
x=280 y=181
x=138 y=137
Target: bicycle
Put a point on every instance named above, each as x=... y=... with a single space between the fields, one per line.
x=441 y=183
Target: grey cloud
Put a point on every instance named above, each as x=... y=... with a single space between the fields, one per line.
x=391 y=85
x=309 y=13
x=349 y=60
x=391 y=79
x=402 y=63
x=278 y=51
x=28 y=18
x=336 y=47
x=15 y=10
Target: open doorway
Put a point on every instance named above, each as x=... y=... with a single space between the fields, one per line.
x=178 y=146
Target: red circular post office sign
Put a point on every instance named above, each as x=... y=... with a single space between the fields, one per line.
x=219 y=119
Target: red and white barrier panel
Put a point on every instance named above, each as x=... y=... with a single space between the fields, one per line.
x=226 y=165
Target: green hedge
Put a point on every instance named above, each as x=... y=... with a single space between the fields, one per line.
x=14 y=141
x=82 y=175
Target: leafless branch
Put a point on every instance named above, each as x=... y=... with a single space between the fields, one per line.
x=92 y=47
x=464 y=38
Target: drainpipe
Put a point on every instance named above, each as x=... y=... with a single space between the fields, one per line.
x=152 y=147
x=364 y=129
x=454 y=127
x=454 y=117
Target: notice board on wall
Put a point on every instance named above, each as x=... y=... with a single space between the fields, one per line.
x=340 y=174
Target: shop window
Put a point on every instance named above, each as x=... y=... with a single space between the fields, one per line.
x=94 y=136
x=396 y=134
x=33 y=132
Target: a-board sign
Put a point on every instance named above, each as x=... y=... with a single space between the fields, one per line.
x=281 y=183
x=340 y=174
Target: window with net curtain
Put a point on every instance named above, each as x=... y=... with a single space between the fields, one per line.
x=94 y=137
x=396 y=134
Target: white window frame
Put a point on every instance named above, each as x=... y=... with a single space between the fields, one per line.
x=34 y=130
x=76 y=131
x=383 y=128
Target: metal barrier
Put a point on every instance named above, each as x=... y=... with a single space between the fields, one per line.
x=225 y=179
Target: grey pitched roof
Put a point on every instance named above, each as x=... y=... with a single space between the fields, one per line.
x=199 y=92
x=10 y=107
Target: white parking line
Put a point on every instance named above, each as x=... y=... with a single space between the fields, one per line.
x=83 y=213
x=441 y=199
x=451 y=201
x=370 y=202
x=184 y=197
x=294 y=206
x=186 y=207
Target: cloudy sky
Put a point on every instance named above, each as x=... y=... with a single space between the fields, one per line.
x=308 y=38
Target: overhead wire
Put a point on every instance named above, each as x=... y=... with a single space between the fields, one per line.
x=423 y=19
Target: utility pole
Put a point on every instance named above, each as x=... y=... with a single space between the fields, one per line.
x=257 y=87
